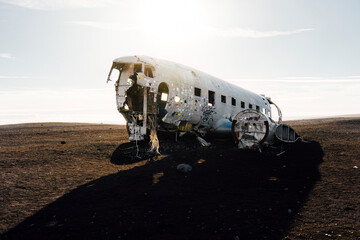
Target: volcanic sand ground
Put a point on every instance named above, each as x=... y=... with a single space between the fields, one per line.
x=50 y=190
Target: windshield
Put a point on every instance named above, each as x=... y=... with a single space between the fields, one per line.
x=115 y=72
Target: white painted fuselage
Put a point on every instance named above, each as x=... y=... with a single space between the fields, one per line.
x=177 y=97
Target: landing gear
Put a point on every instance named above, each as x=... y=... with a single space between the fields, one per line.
x=250 y=129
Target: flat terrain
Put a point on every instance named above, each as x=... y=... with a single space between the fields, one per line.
x=57 y=182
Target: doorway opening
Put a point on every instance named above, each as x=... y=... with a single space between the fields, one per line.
x=163 y=96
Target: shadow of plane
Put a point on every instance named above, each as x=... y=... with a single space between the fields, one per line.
x=228 y=193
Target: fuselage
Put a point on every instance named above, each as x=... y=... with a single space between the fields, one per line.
x=177 y=97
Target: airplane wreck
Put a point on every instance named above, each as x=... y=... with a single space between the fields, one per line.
x=157 y=95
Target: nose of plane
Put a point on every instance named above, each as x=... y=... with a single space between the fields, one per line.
x=127 y=59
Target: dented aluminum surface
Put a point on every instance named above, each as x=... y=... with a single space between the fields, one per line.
x=173 y=97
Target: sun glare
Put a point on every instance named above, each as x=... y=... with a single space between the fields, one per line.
x=170 y=20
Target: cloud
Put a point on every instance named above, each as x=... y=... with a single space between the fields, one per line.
x=7 y=55
x=19 y=77
x=249 y=33
x=99 y=25
x=103 y=25
x=193 y=30
x=214 y=31
x=60 y=4
x=302 y=78
x=297 y=80
x=353 y=77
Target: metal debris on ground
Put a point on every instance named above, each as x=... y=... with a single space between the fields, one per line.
x=183 y=167
x=203 y=142
x=154 y=141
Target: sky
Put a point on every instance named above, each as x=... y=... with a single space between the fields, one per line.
x=55 y=55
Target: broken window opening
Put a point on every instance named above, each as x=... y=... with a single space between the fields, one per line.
x=233 y=101
x=148 y=71
x=164 y=97
x=197 y=92
x=163 y=91
x=114 y=75
x=211 y=98
x=137 y=67
x=133 y=78
x=223 y=99
x=250 y=105
x=135 y=98
x=257 y=108
x=242 y=104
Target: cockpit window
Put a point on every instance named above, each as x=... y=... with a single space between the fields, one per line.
x=114 y=75
x=137 y=67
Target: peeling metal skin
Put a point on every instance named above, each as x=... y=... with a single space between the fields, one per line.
x=177 y=98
